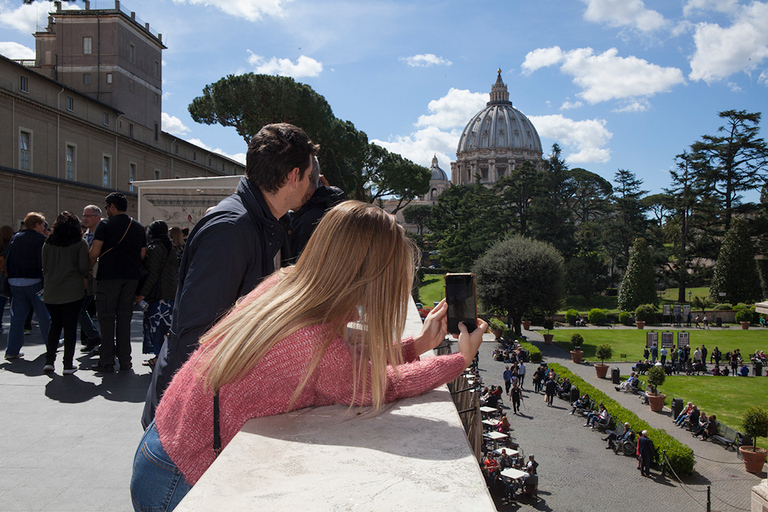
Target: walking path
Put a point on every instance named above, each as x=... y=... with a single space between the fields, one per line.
x=577 y=473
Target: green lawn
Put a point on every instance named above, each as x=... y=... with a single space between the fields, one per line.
x=610 y=304
x=432 y=289
x=632 y=341
x=725 y=397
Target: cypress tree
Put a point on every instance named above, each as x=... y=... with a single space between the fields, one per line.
x=735 y=270
x=637 y=286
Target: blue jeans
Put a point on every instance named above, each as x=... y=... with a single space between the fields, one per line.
x=86 y=322
x=23 y=300
x=157 y=485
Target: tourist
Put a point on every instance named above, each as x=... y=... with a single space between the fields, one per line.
x=286 y=346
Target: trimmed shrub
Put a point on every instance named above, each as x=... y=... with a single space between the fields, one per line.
x=603 y=352
x=534 y=354
x=597 y=316
x=571 y=315
x=625 y=318
x=576 y=341
x=679 y=456
x=745 y=315
x=646 y=313
x=497 y=324
x=548 y=324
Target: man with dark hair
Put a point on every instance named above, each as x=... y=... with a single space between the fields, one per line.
x=235 y=245
x=320 y=198
x=120 y=244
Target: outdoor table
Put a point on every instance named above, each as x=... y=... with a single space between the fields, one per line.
x=488 y=410
x=495 y=437
x=492 y=422
x=510 y=452
x=513 y=474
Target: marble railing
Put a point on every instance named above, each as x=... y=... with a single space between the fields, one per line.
x=412 y=455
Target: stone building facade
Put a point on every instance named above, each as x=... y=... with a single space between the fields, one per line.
x=84 y=118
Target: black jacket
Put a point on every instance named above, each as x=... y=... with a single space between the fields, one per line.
x=25 y=255
x=161 y=265
x=228 y=253
x=305 y=219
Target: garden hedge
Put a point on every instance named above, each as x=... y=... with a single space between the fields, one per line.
x=680 y=456
x=534 y=354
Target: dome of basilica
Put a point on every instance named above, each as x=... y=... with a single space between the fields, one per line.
x=496 y=139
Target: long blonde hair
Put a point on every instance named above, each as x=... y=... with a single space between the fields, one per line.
x=358 y=259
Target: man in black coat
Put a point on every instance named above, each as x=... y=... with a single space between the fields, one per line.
x=647 y=452
x=235 y=246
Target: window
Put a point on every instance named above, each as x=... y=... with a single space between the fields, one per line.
x=70 y=163
x=209 y=162
x=157 y=99
x=501 y=172
x=157 y=132
x=131 y=176
x=157 y=69
x=130 y=130
x=87 y=45
x=176 y=149
x=106 y=119
x=194 y=156
x=86 y=79
x=106 y=165
x=70 y=104
x=25 y=151
x=109 y=78
x=157 y=174
x=132 y=53
x=24 y=84
x=484 y=173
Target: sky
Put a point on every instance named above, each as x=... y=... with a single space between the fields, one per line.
x=618 y=84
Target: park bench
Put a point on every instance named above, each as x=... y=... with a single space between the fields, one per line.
x=640 y=368
x=602 y=425
x=726 y=436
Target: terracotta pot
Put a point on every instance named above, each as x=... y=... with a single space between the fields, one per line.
x=548 y=339
x=576 y=355
x=656 y=401
x=744 y=325
x=601 y=370
x=497 y=333
x=753 y=460
x=640 y=324
x=527 y=325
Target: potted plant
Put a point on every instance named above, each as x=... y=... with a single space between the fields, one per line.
x=497 y=327
x=744 y=317
x=576 y=352
x=644 y=313
x=656 y=378
x=604 y=351
x=755 y=424
x=597 y=316
x=548 y=325
x=527 y=325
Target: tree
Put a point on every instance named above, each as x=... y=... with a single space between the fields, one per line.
x=464 y=223
x=518 y=275
x=628 y=220
x=517 y=192
x=249 y=101
x=551 y=216
x=417 y=214
x=735 y=270
x=733 y=162
x=586 y=275
x=397 y=176
x=638 y=286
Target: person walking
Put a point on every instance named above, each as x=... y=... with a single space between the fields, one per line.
x=507 y=376
x=517 y=396
x=521 y=374
x=65 y=268
x=646 y=452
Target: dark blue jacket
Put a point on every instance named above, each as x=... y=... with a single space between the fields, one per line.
x=25 y=255
x=228 y=253
x=305 y=219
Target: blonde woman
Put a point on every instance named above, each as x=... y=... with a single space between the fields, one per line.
x=286 y=346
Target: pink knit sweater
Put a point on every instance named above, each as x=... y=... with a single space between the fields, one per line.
x=184 y=417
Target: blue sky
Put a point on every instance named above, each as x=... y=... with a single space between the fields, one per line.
x=617 y=83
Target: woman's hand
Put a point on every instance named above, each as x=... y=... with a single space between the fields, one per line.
x=434 y=329
x=469 y=343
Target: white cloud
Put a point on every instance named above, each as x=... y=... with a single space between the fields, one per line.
x=304 y=66
x=541 y=58
x=692 y=6
x=721 y=52
x=237 y=157
x=588 y=138
x=569 y=105
x=421 y=146
x=734 y=87
x=16 y=51
x=453 y=110
x=606 y=76
x=425 y=60
x=251 y=10
x=172 y=124
x=763 y=78
x=624 y=13
x=28 y=18
x=634 y=105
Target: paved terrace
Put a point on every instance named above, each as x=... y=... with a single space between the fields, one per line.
x=69 y=441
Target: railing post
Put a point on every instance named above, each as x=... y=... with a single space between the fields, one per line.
x=664 y=463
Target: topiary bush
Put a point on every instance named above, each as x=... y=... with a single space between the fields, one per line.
x=745 y=315
x=576 y=341
x=534 y=354
x=497 y=324
x=646 y=313
x=597 y=316
x=603 y=352
x=679 y=456
x=571 y=315
x=548 y=324
x=755 y=423
x=625 y=318
x=656 y=377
